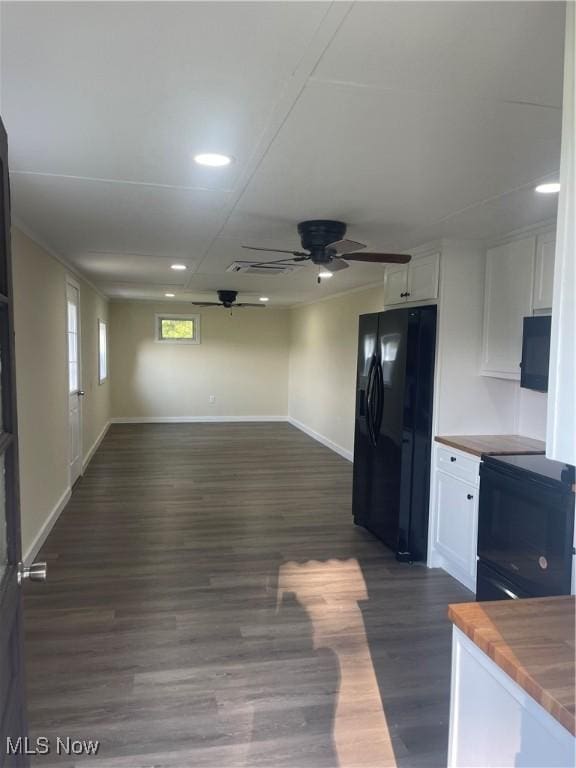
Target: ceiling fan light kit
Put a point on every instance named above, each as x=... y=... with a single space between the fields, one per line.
x=324 y=244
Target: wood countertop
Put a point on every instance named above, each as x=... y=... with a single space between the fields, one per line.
x=533 y=642
x=497 y=445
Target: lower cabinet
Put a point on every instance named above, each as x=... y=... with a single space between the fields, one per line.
x=494 y=723
x=455 y=516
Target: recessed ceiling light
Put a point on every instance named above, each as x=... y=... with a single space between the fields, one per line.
x=178 y=267
x=548 y=189
x=324 y=273
x=212 y=159
x=169 y=295
x=264 y=298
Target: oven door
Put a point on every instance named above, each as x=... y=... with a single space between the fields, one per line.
x=525 y=531
x=490 y=585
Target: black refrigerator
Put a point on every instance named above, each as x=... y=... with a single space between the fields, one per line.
x=393 y=429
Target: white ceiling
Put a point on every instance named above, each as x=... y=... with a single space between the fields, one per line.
x=410 y=121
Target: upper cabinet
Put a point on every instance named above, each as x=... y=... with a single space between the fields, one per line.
x=519 y=280
x=507 y=300
x=415 y=281
x=544 y=274
x=395 y=284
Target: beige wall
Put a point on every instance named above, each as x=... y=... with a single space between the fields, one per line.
x=242 y=360
x=40 y=321
x=323 y=350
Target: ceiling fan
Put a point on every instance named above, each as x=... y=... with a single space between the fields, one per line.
x=226 y=299
x=324 y=245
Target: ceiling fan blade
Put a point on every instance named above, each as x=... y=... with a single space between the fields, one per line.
x=340 y=247
x=248 y=304
x=206 y=304
x=303 y=257
x=379 y=258
x=274 y=250
x=336 y=265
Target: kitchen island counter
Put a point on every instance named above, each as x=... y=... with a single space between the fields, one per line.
x=512 y=698
x=533 y=642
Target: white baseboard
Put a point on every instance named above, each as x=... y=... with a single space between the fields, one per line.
x=38 y=540
x=224 y=419
x=31 y=552
x=321 y=439
x=191 y=419
x=94 y=447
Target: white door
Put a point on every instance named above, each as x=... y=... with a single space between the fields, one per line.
x=74 y=383
x=395 y=282
x=457 y=526
x=507 y=300
x=423 y=278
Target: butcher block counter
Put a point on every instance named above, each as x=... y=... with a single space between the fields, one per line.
x=495 y=445
x=513 y=691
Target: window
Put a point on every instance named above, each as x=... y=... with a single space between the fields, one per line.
x=102 y=351
x=178 y=329
x=72 y=334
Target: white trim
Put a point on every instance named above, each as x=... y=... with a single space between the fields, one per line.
x=530 y=230
x=99 y=323
x=70 y=281
x=159 y=316
x=25 y=230
x=48 y=524
x=191 y=419
x=96 y=444
x=46 y=527
x=349 y=455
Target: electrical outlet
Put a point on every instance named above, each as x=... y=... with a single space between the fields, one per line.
x=212 y=399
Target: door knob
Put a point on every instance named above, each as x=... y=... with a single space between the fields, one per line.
x=81 y=393
x=34 y=572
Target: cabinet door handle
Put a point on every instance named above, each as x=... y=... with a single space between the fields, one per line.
x=452 y=458
x=469 y=496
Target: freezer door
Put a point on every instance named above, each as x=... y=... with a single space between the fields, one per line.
x=417 y=433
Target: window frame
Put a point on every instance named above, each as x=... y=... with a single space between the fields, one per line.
x=171 y=316
x=102 y=324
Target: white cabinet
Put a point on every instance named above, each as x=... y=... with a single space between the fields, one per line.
x=494 y=723
x=415 y=281
x=395 y=284
x=507 y=300
x=457 y=527
x=423 y=278
x=455 y=514
x=544 y=273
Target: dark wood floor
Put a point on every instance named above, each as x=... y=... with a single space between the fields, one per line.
x=210 y=603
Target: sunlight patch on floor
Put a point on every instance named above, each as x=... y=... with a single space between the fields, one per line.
x=330 y=592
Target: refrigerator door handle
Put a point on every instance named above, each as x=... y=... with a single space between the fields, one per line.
x=379 y=411
x=370 y=400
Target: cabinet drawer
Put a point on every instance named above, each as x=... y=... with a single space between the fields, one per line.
x=458 y=464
